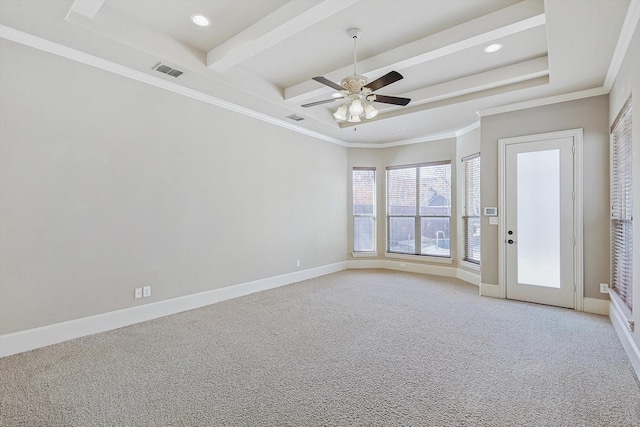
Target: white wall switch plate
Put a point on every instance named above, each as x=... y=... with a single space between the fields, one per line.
x=493 y=220
x=146 y=291
x=138 y=293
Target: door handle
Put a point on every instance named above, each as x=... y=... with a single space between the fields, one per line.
x=511 y=242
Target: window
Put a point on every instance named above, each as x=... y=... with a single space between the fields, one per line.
x=471 y=209
x=364 y=209
x=621 y=207
x=419 y=209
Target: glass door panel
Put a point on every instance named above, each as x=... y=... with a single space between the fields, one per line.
x=538 y=210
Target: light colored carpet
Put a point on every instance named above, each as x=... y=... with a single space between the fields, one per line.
x=353 y=348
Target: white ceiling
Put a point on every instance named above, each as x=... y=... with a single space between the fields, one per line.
x=260 y=55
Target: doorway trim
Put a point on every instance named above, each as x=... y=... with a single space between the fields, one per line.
x=578 y=250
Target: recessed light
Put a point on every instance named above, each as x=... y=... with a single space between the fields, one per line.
x=200 y=20
x=493 y=48
x=401 y=130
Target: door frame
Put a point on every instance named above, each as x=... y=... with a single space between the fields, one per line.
x=578 y=261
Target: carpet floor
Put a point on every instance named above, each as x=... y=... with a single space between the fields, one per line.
x=358 y=347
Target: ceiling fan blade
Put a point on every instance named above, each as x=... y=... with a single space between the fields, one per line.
x=392 y=100
x=328 y=82
x=326 y=101
x=387 y=79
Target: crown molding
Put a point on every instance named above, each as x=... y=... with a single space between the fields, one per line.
x=467 y=129
x=556 y=99
x=624 y=40
x=403 y=142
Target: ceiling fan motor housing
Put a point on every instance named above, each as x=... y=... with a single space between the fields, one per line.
x=354 y=82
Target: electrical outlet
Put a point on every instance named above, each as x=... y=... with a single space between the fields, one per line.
x=146 y=291
x=297 y=263
x=138 y=293
x=604 y=288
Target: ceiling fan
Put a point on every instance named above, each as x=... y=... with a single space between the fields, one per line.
x=357 y=91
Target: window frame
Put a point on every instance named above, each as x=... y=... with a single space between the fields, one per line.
x=373 y=215
x=418 y=216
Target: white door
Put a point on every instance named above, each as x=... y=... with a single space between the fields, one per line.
x=539 y=222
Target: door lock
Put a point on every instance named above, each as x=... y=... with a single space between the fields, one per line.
x=510 y=242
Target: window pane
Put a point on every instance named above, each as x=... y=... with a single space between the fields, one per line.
x=363 y=234
x=364 y=185
x=472 y=239
x=402 y=235
x=401 y=192
x=435 y=189
x=435 y=236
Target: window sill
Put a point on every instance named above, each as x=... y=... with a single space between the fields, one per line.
x=364 y=254
x=424 y=258
x=469 y=265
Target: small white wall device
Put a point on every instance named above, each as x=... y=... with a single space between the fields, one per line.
x=490 y=211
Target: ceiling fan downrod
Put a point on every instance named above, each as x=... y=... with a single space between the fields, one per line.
x=355 y=34
x=355 y=82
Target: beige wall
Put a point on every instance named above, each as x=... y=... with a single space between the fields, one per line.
x=588 y=114
x=444 y=149
x=627 y=83
x=107 y=184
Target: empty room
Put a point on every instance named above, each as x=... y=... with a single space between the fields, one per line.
x=319 y=213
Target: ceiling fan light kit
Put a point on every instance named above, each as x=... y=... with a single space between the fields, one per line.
x=341 y=112
x=358 y=92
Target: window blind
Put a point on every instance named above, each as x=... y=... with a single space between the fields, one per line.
x=471 y=209
x=364 y=209
x=419 y=209
x=621 y=207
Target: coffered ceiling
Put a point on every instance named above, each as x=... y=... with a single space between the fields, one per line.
x=259 y=56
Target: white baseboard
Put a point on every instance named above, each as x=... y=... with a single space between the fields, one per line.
x=356 y=264
x=30 y=339
x=590 y=305
x=399 y=265
x=624 y=335
x=596 y=306
x=467 y=276
x=437 y=270
x=490 y=290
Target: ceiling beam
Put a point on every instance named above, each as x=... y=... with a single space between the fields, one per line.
x=511 y=20
x=503 y=76
x=283 y=23
x=86 y=8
